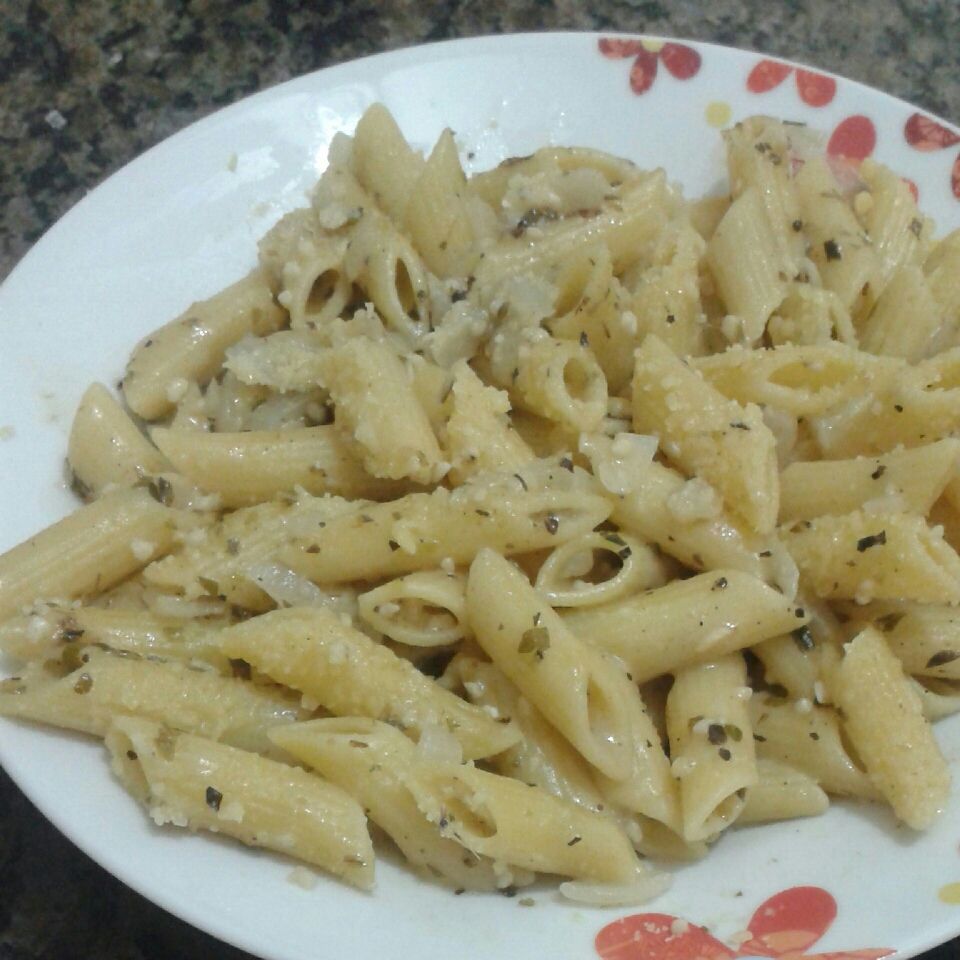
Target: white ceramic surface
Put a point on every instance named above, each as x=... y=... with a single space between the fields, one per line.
x=182 y=221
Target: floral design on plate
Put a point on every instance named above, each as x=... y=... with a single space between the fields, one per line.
x=927 y=135
x=681 y=61
x=815 y=89
x=784 y=927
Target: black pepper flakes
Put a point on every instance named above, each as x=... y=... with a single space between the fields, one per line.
x=523 y=483
x=573 y=841
x=739 y=425
x=131 y=754
x=832 y=250
x=566 y=463
x=671 y=318
x=584 y=339
x=724 y=753
x=552 y=523
x=898 y=407
x=873 y=540
x=213 y=798
x=720 y=584
x=797 y=225
x=393 y=545
x=879 y=472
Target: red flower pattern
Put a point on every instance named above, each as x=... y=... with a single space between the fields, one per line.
x=680 y=61
x=926 y=134
x=815 y=89
x=783 y=927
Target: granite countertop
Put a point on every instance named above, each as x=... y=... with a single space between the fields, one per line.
x=86 y=86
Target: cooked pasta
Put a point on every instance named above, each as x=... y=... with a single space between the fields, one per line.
x=546 y=519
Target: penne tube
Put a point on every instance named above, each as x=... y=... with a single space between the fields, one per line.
x=884 y=719
x=540 y=506
x=88 y=551
x=570 y=574
x=809 y=738
x=926 y=640
x=726 y=444
x=105 y=685
x=196 y=783
x=782 y=793
x=247 y=468
x=106 y=448
x=686 y=622
x=192 y=347
x=45 y=631
x=423 y=609
x=331 y=663
x=906 y=480
x=578 y=689
x=875 y=556
x=711 y=744
x=373 y=762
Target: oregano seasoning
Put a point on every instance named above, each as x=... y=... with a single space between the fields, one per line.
x=873 y=540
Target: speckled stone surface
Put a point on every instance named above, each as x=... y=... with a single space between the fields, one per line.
x=124 y=74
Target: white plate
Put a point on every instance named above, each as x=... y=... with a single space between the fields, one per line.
x=179 y=223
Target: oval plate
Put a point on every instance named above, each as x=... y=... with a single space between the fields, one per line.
x=182 y=221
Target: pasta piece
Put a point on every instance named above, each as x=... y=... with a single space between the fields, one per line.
x=884 y=720
x=106 y=447
x=106 y=685
x=885 y=556
x=192 y=347
x=686 y=622
x=437 y=215
x=809 y=739
x=570 y=574
x=561 y=381
x=375 y=401
x=479 y=436
x=231 y=557
x=926 y=639
x=624 y=229
x=542 y=756
x=840 y=252
x=248 y=468
x=383 y=162
x=803 y=381
x=938 y=698
x=896 y=229
x=196 y=783
x=801 y=661
x=885 y=332
x=372 y=761
x=782 y=793
x=509 y=821
x=657 y=508
x=597 y=317
x=711 y=744
x=88 y=551
x=331 y=663
x=540 y=507
x=728 y=445
x=759 y=157
x=423 y=609
x=811 y=316
x=579 y=690
x=664 y=299
x=46 y=630
x=745 y=264
x=907 y=480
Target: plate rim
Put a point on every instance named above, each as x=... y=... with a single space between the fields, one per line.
x=117 y=861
